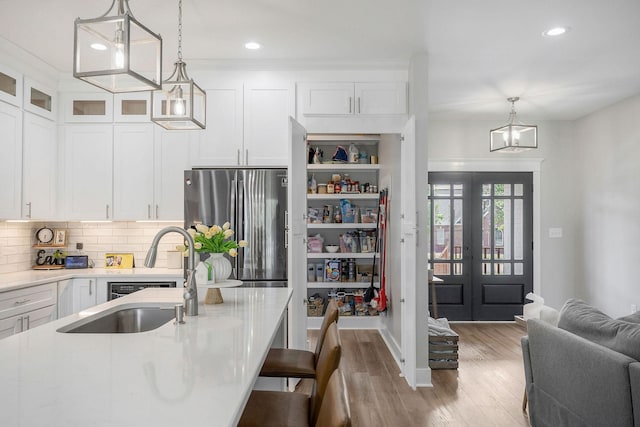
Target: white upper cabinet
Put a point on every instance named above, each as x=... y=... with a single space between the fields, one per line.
x=10 y=86
x=39 y=168
x=133 y=172
x=132 y=107
x=220 y=144
x=171 y=152
x=87 y=107
x=88 y=151
x=266 y=124
x=11 y=161
x=39 y=99
x=246 y=126
x=360 y=98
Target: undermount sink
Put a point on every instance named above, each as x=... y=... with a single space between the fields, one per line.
x=123 y=321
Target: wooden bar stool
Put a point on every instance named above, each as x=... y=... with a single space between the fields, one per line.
x=282 y=408
x=293 y=363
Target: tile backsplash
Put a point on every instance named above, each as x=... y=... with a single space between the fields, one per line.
x=17 y=240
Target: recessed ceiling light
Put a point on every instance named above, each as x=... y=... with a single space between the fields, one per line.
x=252 y=45
x=98 y=46
x=556 y=31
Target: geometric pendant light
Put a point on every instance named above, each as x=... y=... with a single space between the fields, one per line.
x=514 y=137
x=116 y=52
x=180 y=104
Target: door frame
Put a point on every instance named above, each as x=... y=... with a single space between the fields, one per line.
x=531 y=164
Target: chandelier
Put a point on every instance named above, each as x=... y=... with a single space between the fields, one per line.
x=116 y=52
x=514 y=137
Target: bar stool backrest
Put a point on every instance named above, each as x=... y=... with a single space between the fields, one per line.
x=327 y=363
x=330 y=315
x=334 y=410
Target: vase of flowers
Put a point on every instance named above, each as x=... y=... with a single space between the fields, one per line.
x=216 y=241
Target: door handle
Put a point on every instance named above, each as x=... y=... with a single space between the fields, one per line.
x=350 y=101
x=238 y=157
x=107 y=205
x=22 y=301
x=28 y=322
x=157 y=214
x=29 y=211
x=359 y=110
x=148 y=211
x=246 y=157
x=90 y=286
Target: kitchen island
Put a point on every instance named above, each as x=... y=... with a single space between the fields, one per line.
x=198 y=373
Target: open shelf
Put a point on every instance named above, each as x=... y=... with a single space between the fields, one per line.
x=343 y=167
x=333 y=226
x=348 y=322
x=338 y=196
x=359 y=255
x=345 y=285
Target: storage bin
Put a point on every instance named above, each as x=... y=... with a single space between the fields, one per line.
x=443 y=351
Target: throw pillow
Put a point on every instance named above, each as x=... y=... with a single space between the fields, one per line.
x=578 y=317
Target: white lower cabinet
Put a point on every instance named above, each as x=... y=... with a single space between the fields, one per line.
x=75 y=295
x=26 y=308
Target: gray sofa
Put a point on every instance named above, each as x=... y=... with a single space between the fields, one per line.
x=585 y=372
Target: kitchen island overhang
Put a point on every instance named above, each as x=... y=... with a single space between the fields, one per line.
x=204 y=369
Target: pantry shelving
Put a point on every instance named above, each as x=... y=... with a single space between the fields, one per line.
x=356 y=261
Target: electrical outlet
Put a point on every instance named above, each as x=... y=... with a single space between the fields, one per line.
x=634 y=308
x=79 y=246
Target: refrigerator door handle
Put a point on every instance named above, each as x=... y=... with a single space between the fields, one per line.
x=286 y=229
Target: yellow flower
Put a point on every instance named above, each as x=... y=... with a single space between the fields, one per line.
x=202 y=228
x=197 y=245
x=226 y=225
x=228 y=233
x=191 y=231
x=208 y=234
x=233 y=252
x=243 y=243
x=215 y=230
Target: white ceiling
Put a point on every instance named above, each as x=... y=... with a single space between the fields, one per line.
x=480 y=52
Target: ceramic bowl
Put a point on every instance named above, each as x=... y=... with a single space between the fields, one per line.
x=332 y=248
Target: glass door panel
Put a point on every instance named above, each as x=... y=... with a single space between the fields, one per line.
x=481 y=231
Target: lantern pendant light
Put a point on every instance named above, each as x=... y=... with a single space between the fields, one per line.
x=181 y=104
x=514 y=137
x=116 y=52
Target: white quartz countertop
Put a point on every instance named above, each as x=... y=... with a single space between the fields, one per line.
x=9 y=281
x=197 y=374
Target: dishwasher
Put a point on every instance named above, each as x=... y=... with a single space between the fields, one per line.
x=120 y=289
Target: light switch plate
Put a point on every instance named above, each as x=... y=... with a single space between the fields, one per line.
x=555 y=233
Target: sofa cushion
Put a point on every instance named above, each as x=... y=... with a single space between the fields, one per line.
x=633 y=318
x=578 y=317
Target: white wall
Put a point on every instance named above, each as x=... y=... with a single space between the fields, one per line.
x=609 y=146
x=459 y=141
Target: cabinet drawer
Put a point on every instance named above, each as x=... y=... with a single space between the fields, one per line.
x=20 y=301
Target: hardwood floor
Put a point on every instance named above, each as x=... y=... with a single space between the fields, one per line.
x=486 y=389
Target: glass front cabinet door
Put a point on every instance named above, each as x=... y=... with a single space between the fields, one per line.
x=10 y=86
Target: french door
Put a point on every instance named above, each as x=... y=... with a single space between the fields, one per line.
x=481 y=243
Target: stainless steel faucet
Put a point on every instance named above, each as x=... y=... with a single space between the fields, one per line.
x=190 y=289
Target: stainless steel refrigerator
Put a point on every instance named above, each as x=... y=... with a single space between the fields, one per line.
x=254 y=201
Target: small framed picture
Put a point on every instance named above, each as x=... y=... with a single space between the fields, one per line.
x=60 y=237
x=118 y=260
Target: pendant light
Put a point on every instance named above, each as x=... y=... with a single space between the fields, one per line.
x=514 y=137
x=116 y=52
x=181 y=104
